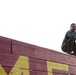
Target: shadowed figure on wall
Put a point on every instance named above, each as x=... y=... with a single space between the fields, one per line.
x=69 y=42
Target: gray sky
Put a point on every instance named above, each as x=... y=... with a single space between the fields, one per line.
x=39 y=22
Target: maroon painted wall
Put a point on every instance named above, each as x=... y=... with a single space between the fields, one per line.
x=11 y=49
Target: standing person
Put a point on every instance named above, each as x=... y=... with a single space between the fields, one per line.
x=69 y=42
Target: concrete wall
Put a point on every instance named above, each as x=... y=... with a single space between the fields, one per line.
x=19 y=58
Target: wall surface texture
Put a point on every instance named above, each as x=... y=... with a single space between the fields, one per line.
x=19 y=58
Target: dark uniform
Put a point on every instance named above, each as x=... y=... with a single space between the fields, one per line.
x=69 y=42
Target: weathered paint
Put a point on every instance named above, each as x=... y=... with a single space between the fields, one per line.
x=2 y=71
x=22 y=67
x=54 y=65
x=18 y=58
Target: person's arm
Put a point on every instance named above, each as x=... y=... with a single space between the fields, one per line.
x=71 y=34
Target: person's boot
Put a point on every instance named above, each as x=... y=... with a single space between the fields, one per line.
x=71 y=53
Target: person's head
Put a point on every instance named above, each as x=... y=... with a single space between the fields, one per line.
x=73 y=26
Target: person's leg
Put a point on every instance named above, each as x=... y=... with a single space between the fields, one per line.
x=75 y=49
x=70 y=45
